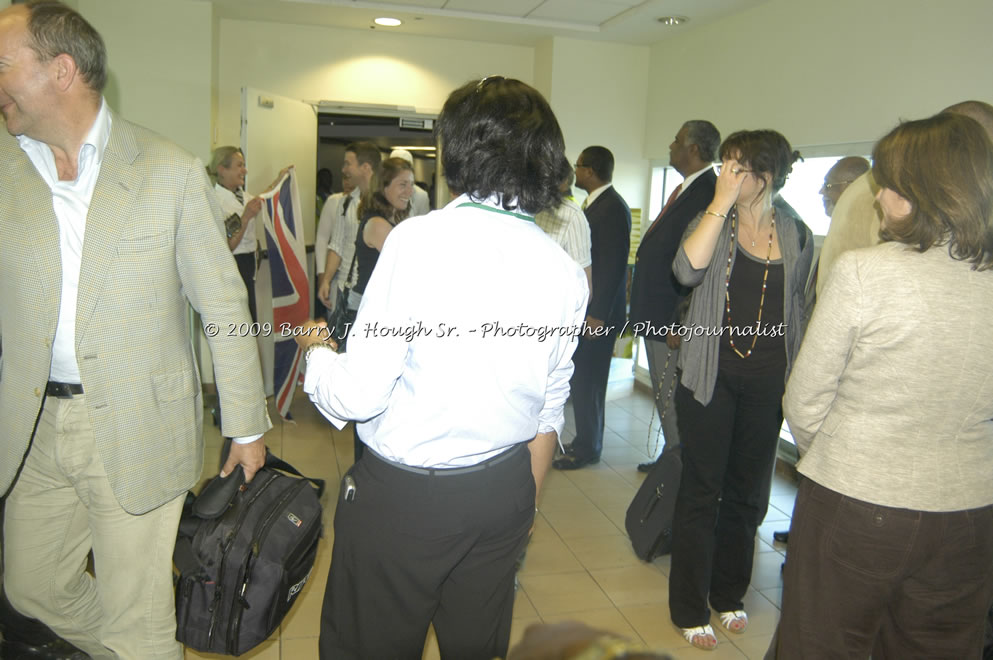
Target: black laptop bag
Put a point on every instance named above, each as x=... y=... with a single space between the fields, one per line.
x=649 y=517
x=244 y=553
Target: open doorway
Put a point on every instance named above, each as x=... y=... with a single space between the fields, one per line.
x=336 y=130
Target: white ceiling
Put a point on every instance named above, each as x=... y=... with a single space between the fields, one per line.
x=518 y=22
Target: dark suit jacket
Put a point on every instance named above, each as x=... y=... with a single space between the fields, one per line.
x=610 y=239
x=655 y=291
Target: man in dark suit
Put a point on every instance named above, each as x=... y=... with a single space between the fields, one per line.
x=655 y=293
x=610 y=238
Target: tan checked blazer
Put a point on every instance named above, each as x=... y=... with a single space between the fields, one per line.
x=153 y=240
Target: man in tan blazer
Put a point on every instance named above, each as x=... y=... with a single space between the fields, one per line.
x=106 y=231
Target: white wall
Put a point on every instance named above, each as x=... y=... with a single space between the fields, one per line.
x=599 y=93
x=159 y=59
x=314 y=63
x=822 y=73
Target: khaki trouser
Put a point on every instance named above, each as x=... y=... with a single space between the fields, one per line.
x=60 y=508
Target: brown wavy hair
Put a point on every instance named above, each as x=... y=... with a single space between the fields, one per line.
x=377 y=202
x=764 y=152
x=943 y=166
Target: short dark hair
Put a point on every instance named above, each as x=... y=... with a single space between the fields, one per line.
x=705 y=136
x=57 y=29
x=499 y=136
x=943 y=166
x=764 y=152
x=366 y=152
x=600 y=160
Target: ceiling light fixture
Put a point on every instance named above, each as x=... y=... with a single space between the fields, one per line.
x=672 y=20
x=388 y=22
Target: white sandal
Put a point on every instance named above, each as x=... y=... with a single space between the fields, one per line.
x=701 y=637
x=735 y=621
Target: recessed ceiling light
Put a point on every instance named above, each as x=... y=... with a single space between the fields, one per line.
x=388 y=22
x=672 y=20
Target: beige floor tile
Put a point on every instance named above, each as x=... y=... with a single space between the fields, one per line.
x=564 y=499
x=549 y=554
x=564 y=592
x=608 y=619
x=633 y=585
x=767 y=570
x=519 y=625
x=603 y=551
x=302 y=648
x=570 y=524
x=782 y=502
x=523 y=609
x=596 y=476
x=775 y=596
x=611 y=496
x=754 y=647
x=724 y=651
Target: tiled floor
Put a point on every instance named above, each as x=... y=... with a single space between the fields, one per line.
x=579 y=565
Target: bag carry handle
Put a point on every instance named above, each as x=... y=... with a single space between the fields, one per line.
x=219 y=493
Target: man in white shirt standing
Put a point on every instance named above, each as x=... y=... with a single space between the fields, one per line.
x=458 y=371
x=99 y=398
x=334 y=207
x=361 y=164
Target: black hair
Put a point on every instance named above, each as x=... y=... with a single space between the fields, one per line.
x=600 y=160
x=499 y=136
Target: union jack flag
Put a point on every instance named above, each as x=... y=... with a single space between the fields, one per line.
x=290 y=285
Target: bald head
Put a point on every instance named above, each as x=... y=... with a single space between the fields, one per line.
x=978 y=110
x=839 y=177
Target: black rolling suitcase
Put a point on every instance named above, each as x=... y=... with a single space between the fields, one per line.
x=649 y=517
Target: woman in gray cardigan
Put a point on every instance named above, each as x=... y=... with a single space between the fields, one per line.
x=747 y=257
x=891 y=405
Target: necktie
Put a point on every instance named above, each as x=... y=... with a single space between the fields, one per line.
x=672 y=198
x=240 y=194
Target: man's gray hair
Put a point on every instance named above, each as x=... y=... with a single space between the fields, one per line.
x=705 y=136
x=57 y=29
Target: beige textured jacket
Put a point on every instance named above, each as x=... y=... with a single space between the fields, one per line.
x=153 y=240
x=891 y=397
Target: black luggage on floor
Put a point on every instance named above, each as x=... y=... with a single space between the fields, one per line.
x=649 y=517
x=242 y=566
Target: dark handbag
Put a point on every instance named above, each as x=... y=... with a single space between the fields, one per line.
x=241 y=570
x=649 y=517
x=341 y=319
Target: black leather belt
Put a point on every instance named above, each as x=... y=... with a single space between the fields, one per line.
x=452 y=472
x=63 y=390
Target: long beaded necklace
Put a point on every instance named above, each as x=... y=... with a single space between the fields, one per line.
x=727 y=281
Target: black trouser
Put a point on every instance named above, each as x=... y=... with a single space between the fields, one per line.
x=864 y=578
x=589 y=391
x=729 y=451
x=411 y=549
x=246 y=267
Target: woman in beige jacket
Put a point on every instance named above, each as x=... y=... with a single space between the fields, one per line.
x=891 y=404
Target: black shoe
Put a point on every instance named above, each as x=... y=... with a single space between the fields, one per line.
x=781 y=537
x=574 y=461
x=646 y=467
x=55 y=650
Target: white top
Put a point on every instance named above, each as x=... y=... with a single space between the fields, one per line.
x=230 y=204
x=325 y=226
x=567 y=225
x=594 y=194
x=419 y=203
x=343 y=232
x=688 y=181
x=445 y=391
x=71 y=200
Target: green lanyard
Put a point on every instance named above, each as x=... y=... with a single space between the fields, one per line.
x=496 y=210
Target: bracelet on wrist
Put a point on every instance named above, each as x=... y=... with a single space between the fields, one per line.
x=722 y=216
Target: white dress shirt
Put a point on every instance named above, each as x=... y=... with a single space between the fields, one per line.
x=229 y=205
x=343 y=234
x=451 y=394
x=567 y=225
x=322 y=238
x=594 y=194
x=71 y=201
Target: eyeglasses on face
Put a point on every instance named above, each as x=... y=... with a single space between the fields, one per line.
x=829 y=186
x=737 y=170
